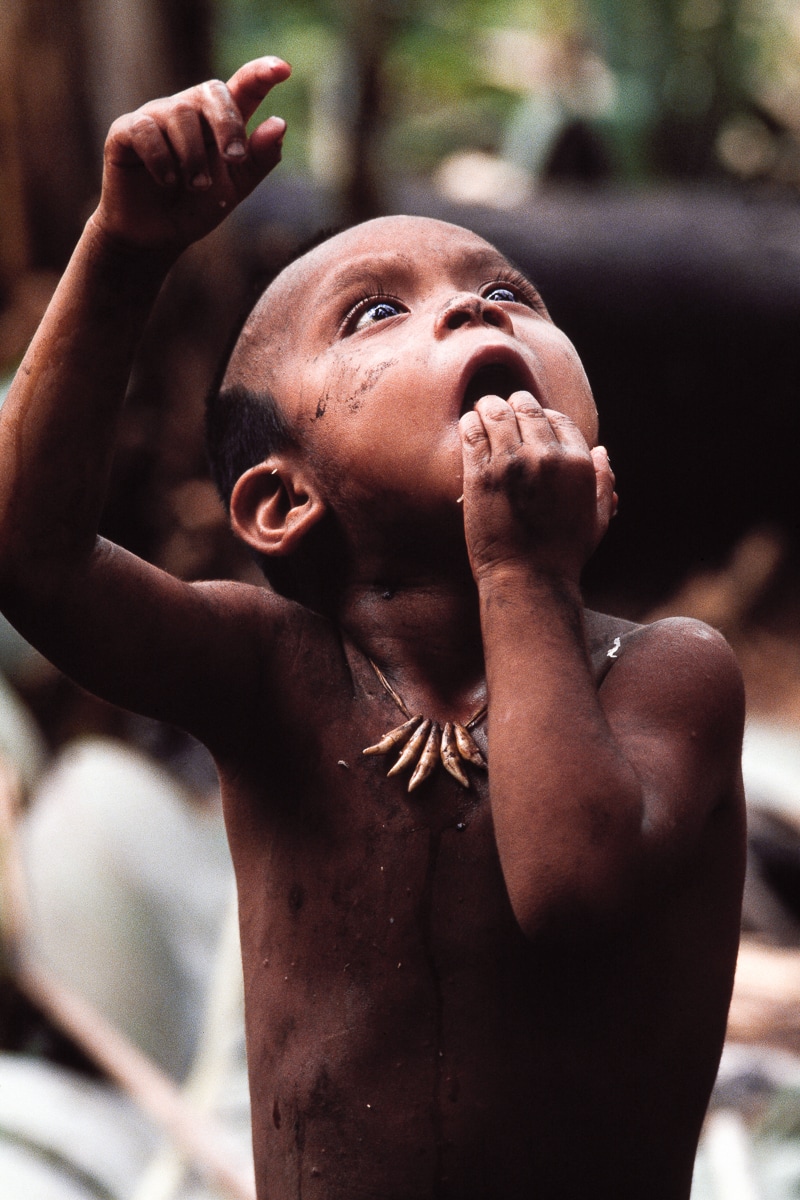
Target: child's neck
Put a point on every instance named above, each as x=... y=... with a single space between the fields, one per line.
x=425 y=635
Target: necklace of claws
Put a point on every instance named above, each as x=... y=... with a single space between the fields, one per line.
x=424 y=743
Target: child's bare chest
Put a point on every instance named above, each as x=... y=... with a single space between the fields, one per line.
x=402 y=1032
x=354 y=888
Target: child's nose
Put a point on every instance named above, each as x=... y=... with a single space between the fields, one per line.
x=468 y=309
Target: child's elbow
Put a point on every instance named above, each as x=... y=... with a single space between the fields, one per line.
x=574 y=915
x=583 y=893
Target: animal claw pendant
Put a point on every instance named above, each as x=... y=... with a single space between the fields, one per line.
x=423 y=743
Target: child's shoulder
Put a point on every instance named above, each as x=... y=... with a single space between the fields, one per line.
x=276 y=676
x=275 y=630
x=677 y=668
x=672 y=693
x=673 y=636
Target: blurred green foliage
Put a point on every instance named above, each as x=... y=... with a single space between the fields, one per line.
x=670 y=76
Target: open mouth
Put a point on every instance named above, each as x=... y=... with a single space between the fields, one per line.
x=493 y=379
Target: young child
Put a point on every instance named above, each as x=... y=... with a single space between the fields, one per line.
x=512 y=979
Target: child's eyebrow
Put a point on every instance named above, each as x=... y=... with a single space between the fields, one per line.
x=368 y=271
x=490 y=260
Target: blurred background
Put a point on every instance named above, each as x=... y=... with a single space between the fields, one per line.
x=640 y=160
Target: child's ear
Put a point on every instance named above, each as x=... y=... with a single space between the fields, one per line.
x=273 y=505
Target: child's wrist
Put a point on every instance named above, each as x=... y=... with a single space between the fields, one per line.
x=511 y=578
x=108 y=248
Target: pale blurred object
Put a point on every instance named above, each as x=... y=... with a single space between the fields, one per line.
x=771 y=766
x=21 y=743
x=728 y=1159
x=765 y=1007
x=747 y=147
x=565 y=65
x=217 y=1084
x=475 y=177
x=64 y=1137
x=563 y=82
x=128 y=884
x=131 y=884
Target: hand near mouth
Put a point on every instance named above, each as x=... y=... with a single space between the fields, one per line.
x=496 y=371
x=534 y=493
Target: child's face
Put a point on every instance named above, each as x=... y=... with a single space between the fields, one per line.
x=377 y=341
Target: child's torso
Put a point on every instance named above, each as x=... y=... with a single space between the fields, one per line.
x=405 y=1040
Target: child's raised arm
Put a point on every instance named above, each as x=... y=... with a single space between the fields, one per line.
x=598 y=796
x=173 y=170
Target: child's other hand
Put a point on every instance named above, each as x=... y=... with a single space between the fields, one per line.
x=607 y=498
x=176 y=167
x=534 y=494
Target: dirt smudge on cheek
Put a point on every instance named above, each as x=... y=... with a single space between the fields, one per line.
x=374 y=374
x=342 y=389
x=369 y=381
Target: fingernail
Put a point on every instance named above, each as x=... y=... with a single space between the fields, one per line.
x=170 y=178
x=201 y=181
x=282 y=124
x=235 y=149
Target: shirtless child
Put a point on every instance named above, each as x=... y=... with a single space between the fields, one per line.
x=510 y=985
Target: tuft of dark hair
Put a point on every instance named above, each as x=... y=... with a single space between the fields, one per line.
x=244 y=427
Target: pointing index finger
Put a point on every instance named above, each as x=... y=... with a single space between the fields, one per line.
x=251 y=83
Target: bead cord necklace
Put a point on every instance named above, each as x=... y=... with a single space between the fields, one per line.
x=423 y=743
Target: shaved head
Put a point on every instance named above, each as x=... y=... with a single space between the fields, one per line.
x=278 y=311
x=360 y=358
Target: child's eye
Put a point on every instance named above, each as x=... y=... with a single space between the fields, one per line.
x=501 y=295
x=371 y=311
x=514 y=288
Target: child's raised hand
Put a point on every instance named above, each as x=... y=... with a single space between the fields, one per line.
x=534 y=493
x=176 y=167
